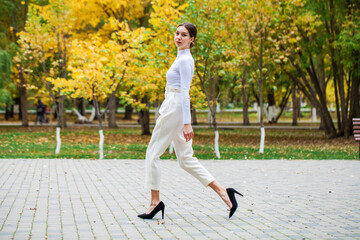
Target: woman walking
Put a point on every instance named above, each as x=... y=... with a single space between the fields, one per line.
x=174 y=124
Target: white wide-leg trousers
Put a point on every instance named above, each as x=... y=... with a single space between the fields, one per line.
x=169 y=127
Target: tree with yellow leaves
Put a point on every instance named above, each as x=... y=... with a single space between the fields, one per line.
x=45 y=45
x=98 y=67
x=94 y=17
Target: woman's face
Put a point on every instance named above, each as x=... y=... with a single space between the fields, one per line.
x=182 y=38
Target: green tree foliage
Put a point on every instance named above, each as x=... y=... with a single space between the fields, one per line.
x=5 y=71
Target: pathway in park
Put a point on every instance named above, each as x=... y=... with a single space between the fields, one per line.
x=92 y=199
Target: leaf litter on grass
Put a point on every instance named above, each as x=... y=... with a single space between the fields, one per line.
x=234 y=144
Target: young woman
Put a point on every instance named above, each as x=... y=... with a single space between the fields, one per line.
x=174 y=124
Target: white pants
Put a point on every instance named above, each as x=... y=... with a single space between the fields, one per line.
x=169 y=127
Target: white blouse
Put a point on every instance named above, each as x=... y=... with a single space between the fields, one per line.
x=180 y=75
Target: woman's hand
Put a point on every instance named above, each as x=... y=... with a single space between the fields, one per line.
x=188 y=132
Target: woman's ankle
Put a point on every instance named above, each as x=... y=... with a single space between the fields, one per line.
x=154 y=202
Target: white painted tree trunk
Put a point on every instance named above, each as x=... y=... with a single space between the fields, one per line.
x=105 y=115
x=217 y=152
x=80 y=117
x=58 y=141
x=210 y=120
x=258 y=113
x=101 y=145
x=92 y=116
x=271 y=113
x=313 y=113
x=171 y=148
x=156 y=113
x=262 y=140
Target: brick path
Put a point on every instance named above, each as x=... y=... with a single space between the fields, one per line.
x=91 y=199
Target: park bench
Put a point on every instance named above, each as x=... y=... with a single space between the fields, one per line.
x=356 y=126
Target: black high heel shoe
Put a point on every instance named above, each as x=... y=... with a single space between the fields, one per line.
x=231 y=193
x=158 y=208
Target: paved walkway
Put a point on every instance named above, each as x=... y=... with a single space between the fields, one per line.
x=92 y=199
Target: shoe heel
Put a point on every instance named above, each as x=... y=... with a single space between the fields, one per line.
x=238 y=193
x=163 y=212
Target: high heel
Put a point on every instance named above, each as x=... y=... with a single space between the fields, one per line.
x=158 y=208
x=231 y=193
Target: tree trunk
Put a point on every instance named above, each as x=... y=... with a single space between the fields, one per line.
x=299 y=101
x=57 y=114
x=328 y=124
x=271 y=108
x=295 y=105
x=321 y=78
x=23 y=100
x=337 y=103
x=283 y=103
x=97 y=112
x=343 y=130
x=315 y=95
x=331 y=31
x=337 y=71
x=354 y=97
x=245 y=98
x=212 y=91
x=112 y=111
x=144 y=117
x=62 y=52
x=59 y=108
x=17 y=107
x=271 y=98
x=128 y=112
x=81 y=106
x=193 y=116
x=59 y=111
x=12 y=111
x=63 y=113
x=101 y=134
x=9 y=111
x=23 y=113
x=213 y=117
x=262 y=137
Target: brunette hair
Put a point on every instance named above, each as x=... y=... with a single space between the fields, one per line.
x=192 y=31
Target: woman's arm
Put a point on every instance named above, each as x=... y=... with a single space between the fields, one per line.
x=186 y=73
x=186 y=67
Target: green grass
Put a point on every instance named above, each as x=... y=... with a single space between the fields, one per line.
x=127 y=143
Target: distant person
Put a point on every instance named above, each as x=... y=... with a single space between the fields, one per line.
x=174 y=125
x=47 y=110
x=40 y=112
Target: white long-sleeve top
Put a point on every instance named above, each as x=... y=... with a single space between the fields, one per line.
x=180 y=75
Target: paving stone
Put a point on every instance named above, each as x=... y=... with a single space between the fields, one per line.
x=101 y=199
